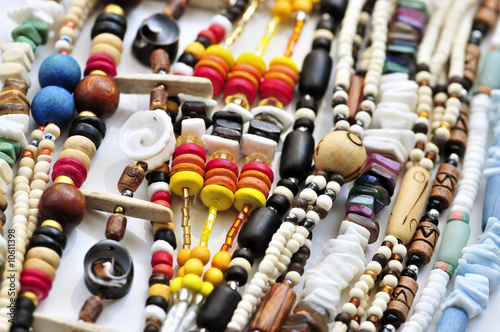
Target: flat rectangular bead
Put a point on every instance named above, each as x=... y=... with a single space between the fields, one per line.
x=391 y=165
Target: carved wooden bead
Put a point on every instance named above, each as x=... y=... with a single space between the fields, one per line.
x=64 y=203
x=15 y=84
x=116 y=227
x=160 y=61
x=402 y=298
x=472 y=55
x=132 y=177
x=424 y=241
x=91 y=309
x=458 y=135
x=340 y=152
x=488 y=13
x=443 y=188
x=158 y=98
x=98 y=94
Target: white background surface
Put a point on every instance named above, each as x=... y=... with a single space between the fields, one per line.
x=69 y=292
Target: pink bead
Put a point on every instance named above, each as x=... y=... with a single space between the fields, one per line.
x=106 y=67
x=273 y=88
x=161 y=257
x=71 y=168
x=190 y=148
x=261 y=167
x=218 y=31
x=389 y=164
x=222 y=163
x=161 y=196
x=361 y=210
x=37 y=282
x=101 y=57
x=241 y=85
x=214 y=76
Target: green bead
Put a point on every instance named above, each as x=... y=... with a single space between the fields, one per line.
x=8 y=149
x=24 y=39
x=490 y=73
x=402 y=49
x=365 y=200
x=420 y=6
x=41 y=27
x=27 y=31
x=8 y=159
x=393 y=67
x=376 y=192
x=453 y=240
x=17 y=146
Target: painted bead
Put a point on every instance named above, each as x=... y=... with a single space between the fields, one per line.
x=53 y=104
x=60 y=70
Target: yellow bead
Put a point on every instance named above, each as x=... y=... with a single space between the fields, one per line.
x=176 y=284
x=160 y=290
x=181 y=272
x=221 y=260
x=303 y=5
x=195 y=48
x=202 y=253
x=188 y=138
x=252 y=59
x=283 y=9
x=115 y=9
x=53 y=224
x=186 y=179
x=221 y=52
x=217 y=196
x=223 y=153
x=213 y=276
x=194 y=266
x=285 y=61
x=32 y=297
x=192 y=282
x=183 y=256
x=249 y=196
x=206 y=289
x=98 y=72
x=64 y=179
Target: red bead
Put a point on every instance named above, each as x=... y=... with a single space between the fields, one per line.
x=161 y=257
x=258 y=166
x=162 y=203
x=106 y=67
x=71 y=168
x=241 y=85
x=210 y=35
x=161 y=195
x=214 y=76
x=192 y=148
x=218 y=31
x=164 y=269
x=273 y=88
x=101 y=57
x=35 y=281
x=222 y=163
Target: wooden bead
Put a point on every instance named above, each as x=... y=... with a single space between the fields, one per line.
x=458 y=134
x=91 y=309
x=258 y=175
x=160 y=61
x=15 y=84
x=443 y=188
x=158 y=98
x=221 y=172
x=274 y=308
x=76 y=154
x=251 y=182
x=472 y=55
x=221 y=181
x=14 y=109
x=107 y=49
x=82 y=144
x=409 y=204
x=116 y=227
x=355 y=96
x=186 y=167
x=110 y=39
x=424 y=241
x=340 y=152
x=64 y=203
x=46 y=254
x=488 y=13
x=402 y=298
x=98 y=94
x=132 y=177
x=175 y=8
x=40 y=265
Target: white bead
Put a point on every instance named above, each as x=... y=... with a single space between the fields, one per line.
x=357 y=293
x=163 y=246
x=292 y=245
x=363 y=286
x=420 y=137
x=423 y=75
x=364 y=117
x=294 y=277
x=299 y=237
x=417 y=155
x=399 y=249
x=325 y=202
x=309 y=195
x=450 y=118
x=273 y=251
x=368 y=326
x=395 y=264
x=357 y=130
x=455 y=88
x=342 y=124
x=320 y=181
x=374 y=310
x=239 y=261
x=368 y=280
x=313 y=216
x=389 y=280
x=383 y=296
x=266 y=267
x=350 y=309
x=305 y=113
x=301 y=214
x=340 y=94
x=154 y=311
x=63 y=45
x=180 y=68
x=381 y=303
x=341 y=109
x=155 y=187
x=453 y=102
x=427 y=164
x=302 y=231
x=375 y=267
x=284 y=191
x=370 y=89
x=386 y=251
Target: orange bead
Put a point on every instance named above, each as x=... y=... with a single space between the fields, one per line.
x=202 y=253
x=164 y=269
x=42 y=128
x=65 y=52
x=285 y=70
x=189 y=159
x=221 y=261
x=28 y=154
x=222 y=181
x=258 y=175
x=70 y=24
x=280 y=76
x=212 y=64
x=303 y=5
x=183 y=256
x=245 y=75
x=219 y=60
x=249 y=69
x=163 y=203
x=187 y=167
x=221 y=172
x=45 y=151
x=282 y=9
x=253 y=183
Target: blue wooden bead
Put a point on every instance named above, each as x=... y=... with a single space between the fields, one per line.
x=60 y=70
x=453 y=320
x=53 y=104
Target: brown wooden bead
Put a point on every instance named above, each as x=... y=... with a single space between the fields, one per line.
x=458 y=134
x=355 y=96
x=409 y=204
x=158 y=98
x=15 y=84
x=300 y=203
x=402 y=298
x=116 y=227
x=274 y=308
x=12 y=108
x=41 y=265
x=91 y=309
x=160 y=61
x=14 y=97
x=321 y=211
x=308 y=316
x=175 y=8
x=340 y=152
x=3 y=203
x=472 y=55
x=443 y=188
x=64 y=203
x=98 y=94
x=424 y=241
x=46 y=254
x=132 y=177
x=488 y=13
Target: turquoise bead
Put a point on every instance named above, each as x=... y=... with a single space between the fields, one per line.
x=453 y=240
x=8 y=159
x=41 y=27
x=490 y=72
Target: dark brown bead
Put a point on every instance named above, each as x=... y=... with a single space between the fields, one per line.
x=459 y=132
x=91 y=309
x=300 y=203
x=3 y=203
x=175 y=8
x=13 y=108
x=304 y=251
x=355 y=96
x=160 y=61
x=158 y=278
x=337 y=178
x=299 y=258
x=122 y=3
x=424 y=241
x=321 y=211
x=420 y=145
x=63 y=203
x=98 y=94
x=158 y=98
x=381 y=259
x=487 y=14
x=443 y=188
x=344 y=318
x=116 y=227
x=15 y=84
x=297 y=267
x=391 y=270
x=132 y=177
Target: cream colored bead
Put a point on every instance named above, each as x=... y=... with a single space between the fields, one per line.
x=454 y=111
x=423 y=76
x=450 y=118
x=382 y=296
x=389 y=280
x=424 y=90
x=323 y=33
x=299 y=238
x=108 y=50
x=453 y=102
x=39 y=184
x=370 y=90
x=342 y=124
x=392 y=239
x=424 y=108
x=44 y=157
x=368 y=280
x=284 y=191
x=350 y=309
x=455 y=88
x=431 y=147
x=357 y=293
x=374 y=310
x=340 y=94
x=25 y=172
x=387 y=252
x=375 y=267
x=395 y=264
x=416 y=155
x=22 y=187
x=53 y=129
x=335 y=186
x=422 y=120
x=441 y=97
x=63 y=45
x=367 y=326
x=363 y=286
x=67 y=31
x=294 y=277
x=305 y=113
x=419 y=137
x=47 y=144
x=427 y=164
x=381 y=303
x=364 y=117
x=27 y=162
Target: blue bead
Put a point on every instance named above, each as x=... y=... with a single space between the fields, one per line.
x=60 y=70
x=491 y=207
x=53 y=104
x=453 y=320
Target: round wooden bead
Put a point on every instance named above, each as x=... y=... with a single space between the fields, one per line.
x=60 y=70
x=98 y=94
x=340 y=152
x=53 y=104
x=64 y=203
x=46 y=254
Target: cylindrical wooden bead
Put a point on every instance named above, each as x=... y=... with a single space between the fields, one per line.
x=355 y=96
x=316 y=70
x=488 y=13
x=458 y=134
x=274 y=309
x=116 y=227
x=472 y=55
x=158 y=98
x=132 y=177
x=257 y=232
x=410 y=204
x=175 y=8
x=160 y=61
x=443 y=188
x=91 y=309
x=424 y=241
x=296 y=156
x=402 y=298
x=216 y=312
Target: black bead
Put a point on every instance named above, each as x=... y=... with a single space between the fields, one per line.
x=430 y=218
x=409 y=273
x=158 y=278
x=230 y=16
x=166 y=235
x=435 y=204
x=257 y=232
x=194 y=106
x=296 y=155
x=315 y=73
x=314 y=187
x=420 y=128
x=415 y=260
x=238 y=274
x=172 y=116
x=322 y=43
x=191 y=115
x=452 y=162
x=227 y=133
x=188 y=59
x=339 y=117
x=158 y=301
x=241 y=4
x=229 y=117
x=264 y=129
x=107 y=27
x=24 y=318
x=307 y=101
x=481 y=27
x=236 y=12
x=440 y=88
x=153 y=177
x=292 y=186
x=25 y=304
x=112 y=17
x=53 y=233
x=292 y=218
x=454 y=148
x=41 y=240
x=344 y=318
x=93 y=121
x=203 y=41
x=15 y=328
x=151 y=328
x=308 y=224
x=380 y=258
x=336 y=8
x=244 y=253
x=280 y=203
x=326 y=21
x=422 y=67
x=86 y=130
x=391 y=319
x=304 y=123
x=331 y=194
x=218 y=308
